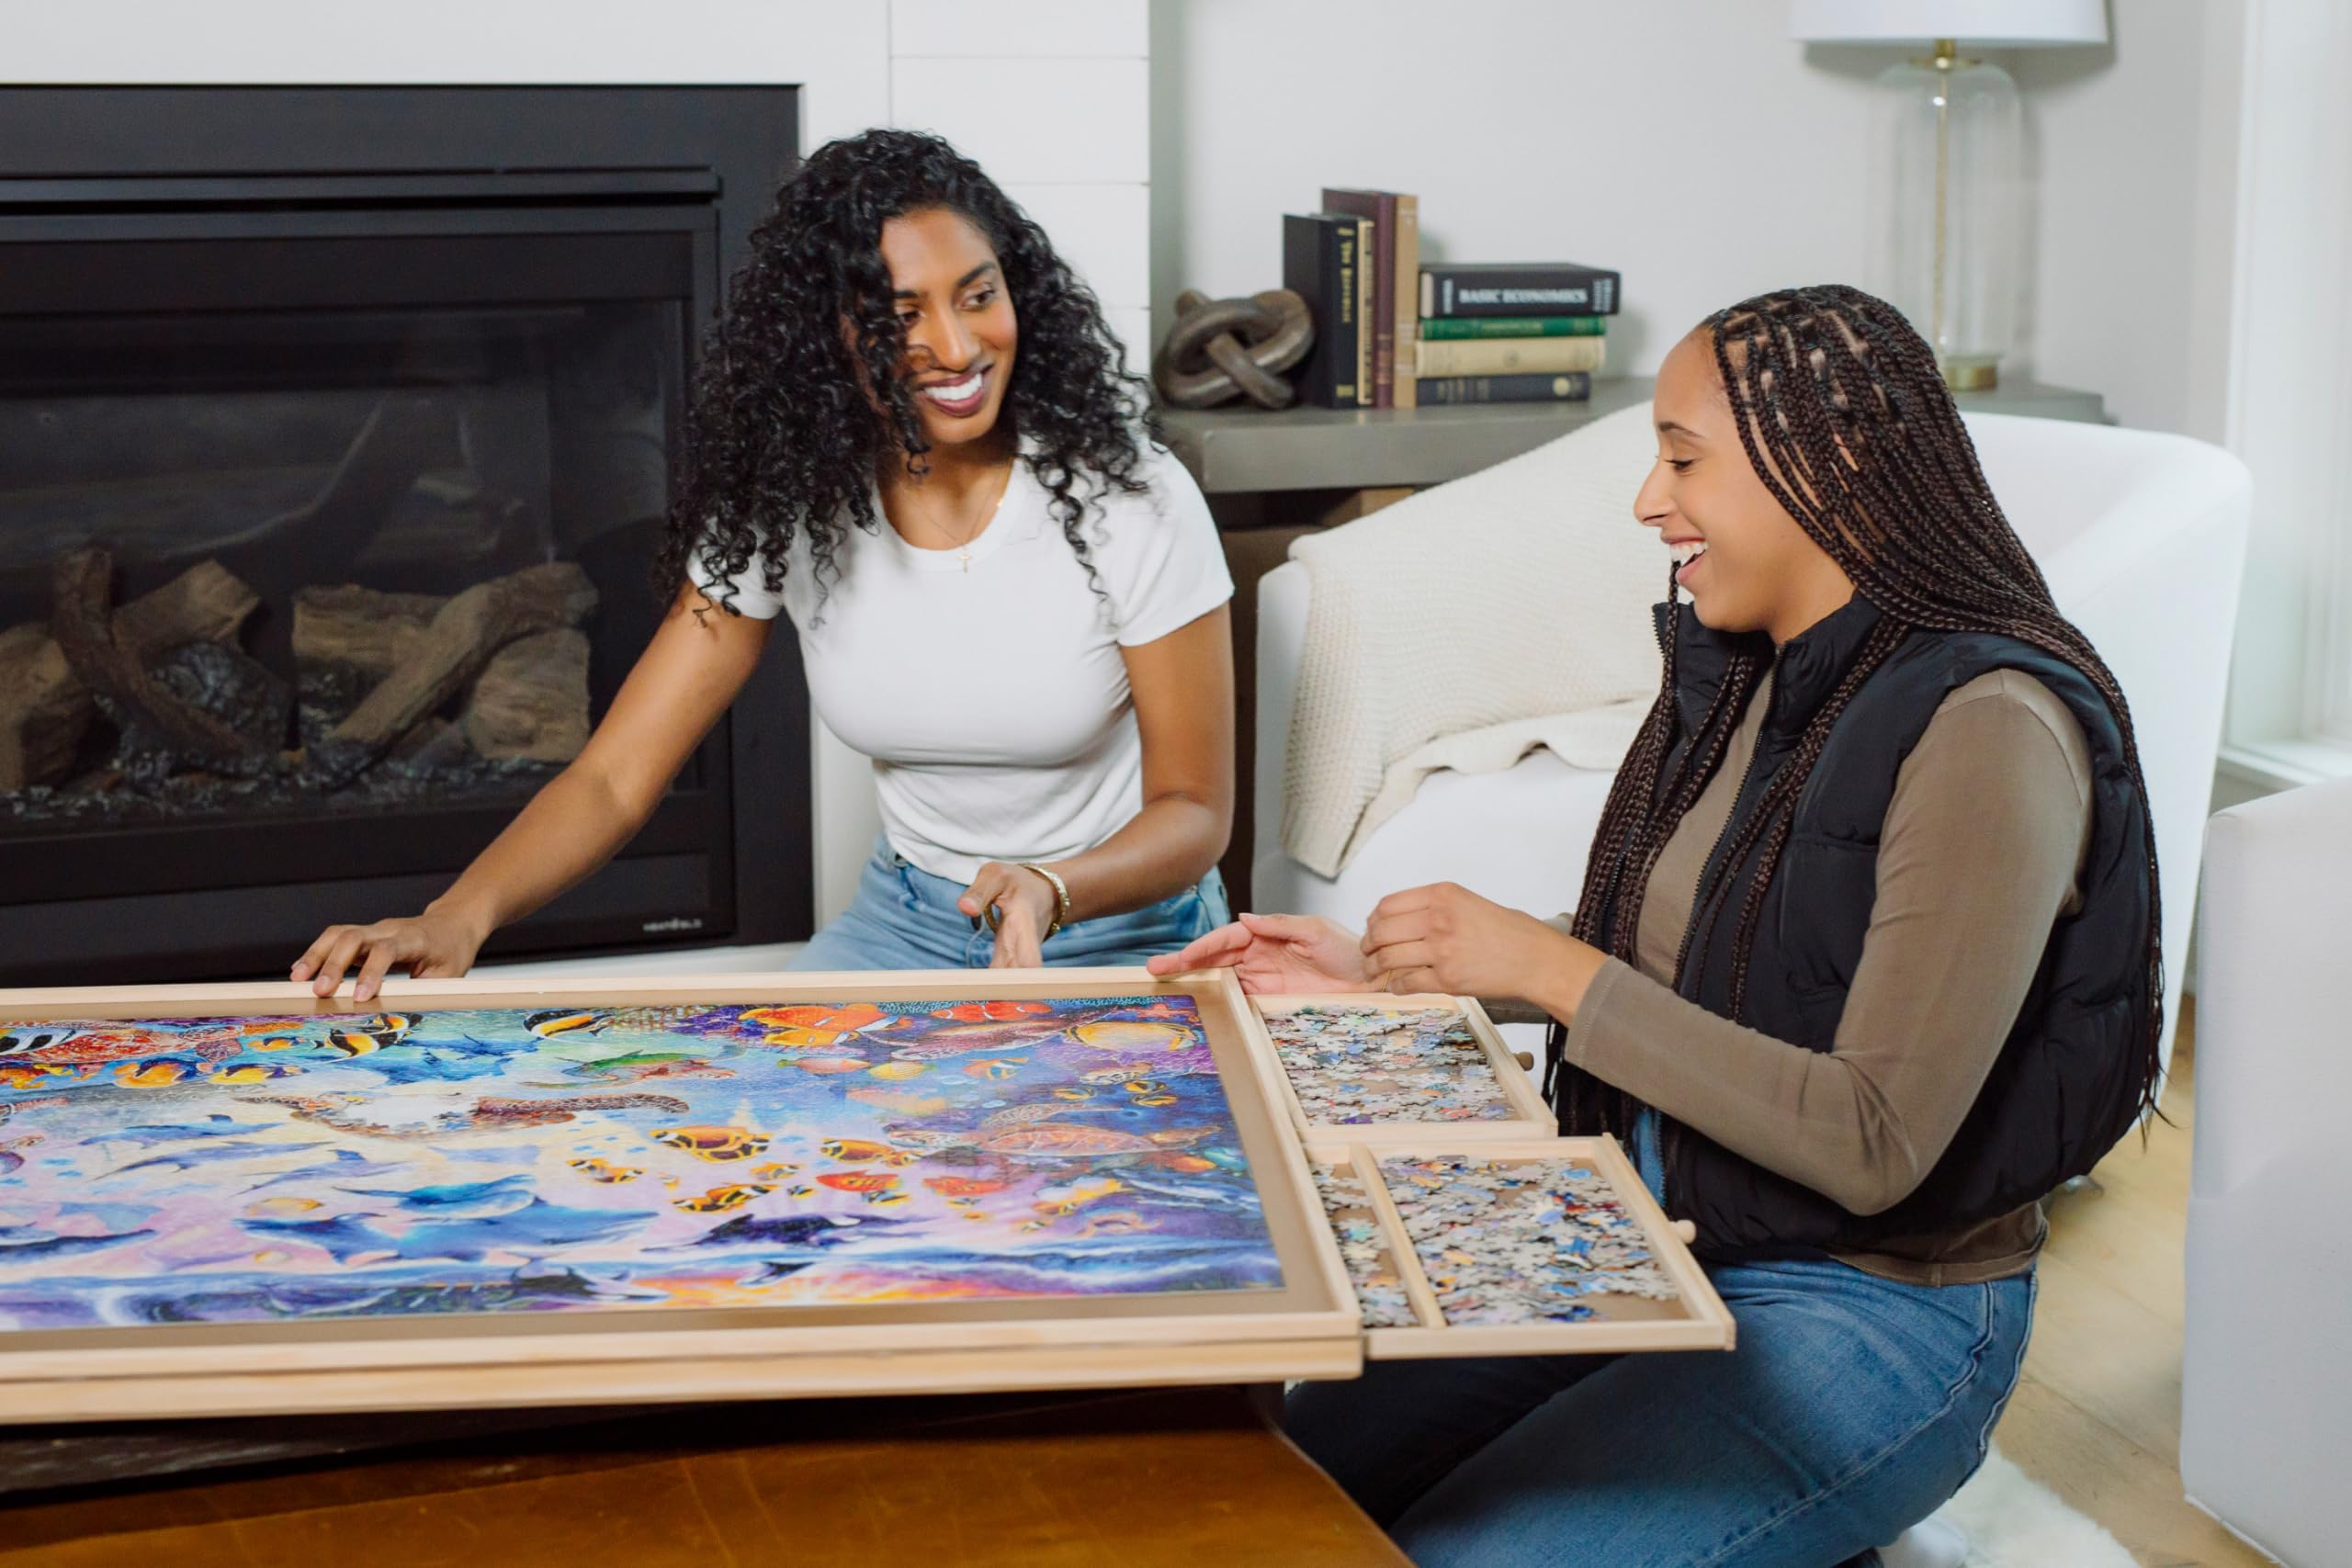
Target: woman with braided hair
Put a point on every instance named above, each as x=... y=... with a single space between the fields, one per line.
x=913 y=435
x=1865 y=964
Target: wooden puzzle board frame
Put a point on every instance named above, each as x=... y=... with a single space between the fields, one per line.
x=1305 y=1328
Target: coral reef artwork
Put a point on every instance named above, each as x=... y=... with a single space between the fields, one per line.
x=841 y=1153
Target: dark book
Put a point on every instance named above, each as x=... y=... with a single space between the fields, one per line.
x=1456 y=328
x=1319 y=265
x=1517 y=288
x=1380 y=208
x=1568 y=387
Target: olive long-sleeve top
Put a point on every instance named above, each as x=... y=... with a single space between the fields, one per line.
x=1981 y=854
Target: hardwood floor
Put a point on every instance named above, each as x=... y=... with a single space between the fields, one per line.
x=2097 y=1417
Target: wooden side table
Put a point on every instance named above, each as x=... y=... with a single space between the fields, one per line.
x=1271 y=477
x=1115 y=1480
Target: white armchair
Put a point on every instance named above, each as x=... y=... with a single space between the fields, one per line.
x=2265 y=1378
x=2141 y=534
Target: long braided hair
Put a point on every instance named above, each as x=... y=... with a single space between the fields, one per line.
x=1844 y=417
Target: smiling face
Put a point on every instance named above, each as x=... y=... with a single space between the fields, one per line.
x=958 y=319
x=1749 y=566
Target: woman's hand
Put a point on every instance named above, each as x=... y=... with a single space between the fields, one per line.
x=436 y=945
x=1278 y=955
x=1025 y=905
x=1446 y=938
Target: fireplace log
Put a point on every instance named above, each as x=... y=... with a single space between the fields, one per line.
x=204 y=603
x=532 y=699
x=156 y=720
x=45 y=709
x=369 y=631
x=455 y=646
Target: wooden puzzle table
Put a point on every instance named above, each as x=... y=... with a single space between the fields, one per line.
x=1137 y=1479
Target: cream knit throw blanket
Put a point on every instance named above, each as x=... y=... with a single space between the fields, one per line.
x=1468 y=624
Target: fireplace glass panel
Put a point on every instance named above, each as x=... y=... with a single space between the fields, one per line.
x=301 y=502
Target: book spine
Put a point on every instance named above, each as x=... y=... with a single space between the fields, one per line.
x=1379 y=251
x=1366 y=321
x=1513 y=355
x=1383 y=303
x=1344 y=323
x=1303 y=274
x=1405 y=273
x=1319 y=265
x=1446 y=329
x=1379 y=271
x=1573 y=385
x=1489 y=290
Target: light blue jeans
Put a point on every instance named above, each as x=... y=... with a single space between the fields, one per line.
x=904 y=917
x=1853 y=1407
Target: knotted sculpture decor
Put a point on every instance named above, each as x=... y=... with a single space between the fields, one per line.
x=1221 y=349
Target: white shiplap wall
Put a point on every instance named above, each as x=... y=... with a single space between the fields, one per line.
x=1051 y=97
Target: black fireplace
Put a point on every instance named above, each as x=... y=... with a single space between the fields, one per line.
x=336 y=433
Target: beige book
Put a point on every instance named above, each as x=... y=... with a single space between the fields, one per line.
x=1407 y=257
x=1509 y=355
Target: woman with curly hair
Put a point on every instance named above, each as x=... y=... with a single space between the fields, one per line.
x=1864 y=965
x=912 y=435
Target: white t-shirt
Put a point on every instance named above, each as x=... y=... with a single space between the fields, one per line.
x=994 y=699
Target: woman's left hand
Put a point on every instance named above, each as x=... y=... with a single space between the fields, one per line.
x=1446 y=938
x=1025 y=906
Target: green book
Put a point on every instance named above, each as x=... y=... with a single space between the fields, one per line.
x=1447 y=327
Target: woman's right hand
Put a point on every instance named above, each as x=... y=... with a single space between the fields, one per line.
x=1279 y=955
x=436 y=945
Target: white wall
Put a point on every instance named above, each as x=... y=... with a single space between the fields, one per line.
x=1053 y=99
x=2137 y=150
x=1052 y=96
x=1690 y=144
x=1658 y=138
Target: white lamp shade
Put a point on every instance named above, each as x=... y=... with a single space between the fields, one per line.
x=1990 y=24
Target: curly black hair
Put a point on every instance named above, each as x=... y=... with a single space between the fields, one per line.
x=781 y=440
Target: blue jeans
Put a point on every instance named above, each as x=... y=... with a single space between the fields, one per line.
x=1853 y=1407
x=904 y=917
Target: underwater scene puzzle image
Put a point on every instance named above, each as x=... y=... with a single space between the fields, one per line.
x=252 y=1169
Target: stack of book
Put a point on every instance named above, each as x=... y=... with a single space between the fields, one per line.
x=1390 y=333
x=1510 y=332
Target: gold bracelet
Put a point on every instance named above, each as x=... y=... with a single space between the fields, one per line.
x=1061 y=897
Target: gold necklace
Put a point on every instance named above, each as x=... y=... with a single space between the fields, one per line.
x=962 y=547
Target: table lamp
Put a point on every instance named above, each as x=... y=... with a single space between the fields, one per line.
x=1947 y=202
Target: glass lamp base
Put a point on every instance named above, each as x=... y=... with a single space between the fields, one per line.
x=1947 y=187
x=1971 y=372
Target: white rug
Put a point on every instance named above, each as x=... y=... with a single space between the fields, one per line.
x=2013 y=1521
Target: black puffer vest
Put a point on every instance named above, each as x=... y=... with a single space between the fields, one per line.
x=2066 y=1084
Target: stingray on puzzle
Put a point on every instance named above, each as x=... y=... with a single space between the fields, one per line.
x=248 y=1168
